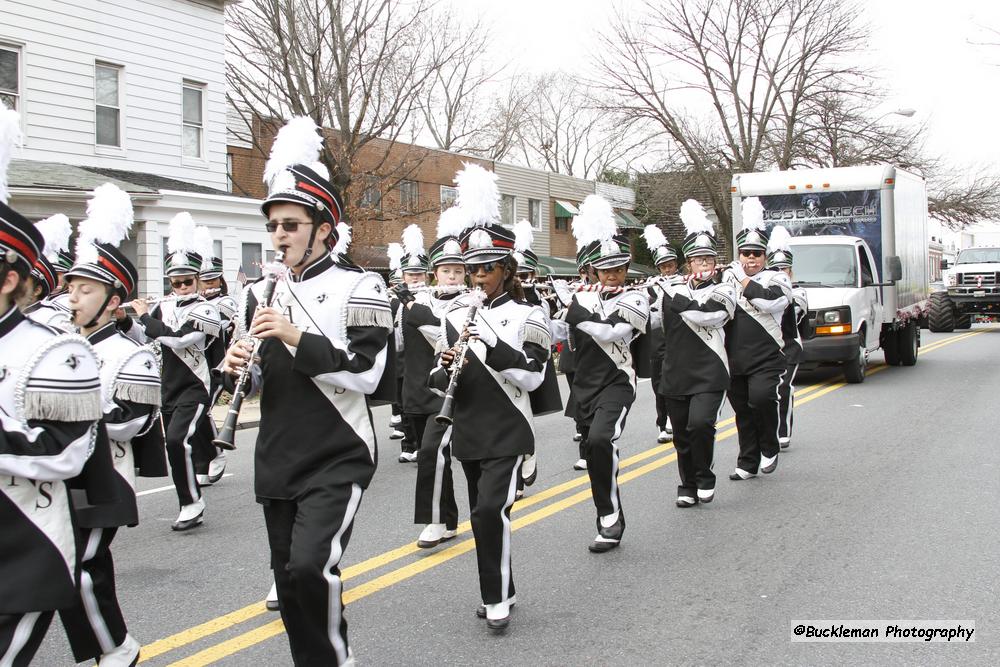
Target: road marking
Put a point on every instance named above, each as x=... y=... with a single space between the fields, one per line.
x=161 y=489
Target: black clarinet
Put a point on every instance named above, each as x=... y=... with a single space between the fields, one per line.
x=226 y=439
x=448 y=406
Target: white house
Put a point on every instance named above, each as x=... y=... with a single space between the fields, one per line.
x=129 y=92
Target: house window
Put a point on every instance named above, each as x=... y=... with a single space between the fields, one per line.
x=107 y=99
x=217 y=248
x=448 y=197
x=507 y=210
x=251 y=260
x=408 y=196
x=535 y=213
x=10 y=76
x=371 y=197
x=194 y=125
x=562 y=224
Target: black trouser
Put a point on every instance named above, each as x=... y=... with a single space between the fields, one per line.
x=599 y=440
x=189 y=447
x=95 y=624
x=787 y=402
x=693 y=418
x=492 y=486
x=755 y=401
x=308 y=537
x=575 y=412
x=21 y=635
x=435 y=494
x=656 y=370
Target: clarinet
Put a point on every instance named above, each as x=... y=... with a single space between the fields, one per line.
x=448 y=406
x=226 y=439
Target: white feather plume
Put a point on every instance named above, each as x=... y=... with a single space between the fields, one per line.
x=654 y=237
x=395 y=252
x=109 y=219
x=10 y=138
x=413 y=240
x=596 y=221
x=180 y=233
x=204 y=246
x=753 y=214
x=478 y=195
x=779 y=240
x=480 y=239
x=343 y=239
x=695 y=219
x=523 y=236
x=298 y=142
x=56 y=231
x=452 y=222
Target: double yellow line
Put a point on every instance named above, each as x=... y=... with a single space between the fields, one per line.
x=273 y=628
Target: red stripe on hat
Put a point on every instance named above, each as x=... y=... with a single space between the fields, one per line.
x=321 y=193
x=110 y=266
x=20 y=246
x=46 y=274
x=500 y=243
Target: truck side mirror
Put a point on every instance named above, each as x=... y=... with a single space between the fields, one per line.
x=944 y=265
x=893 y=269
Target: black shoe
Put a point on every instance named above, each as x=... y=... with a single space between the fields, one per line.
x=687 y=501
x=528 y=481
x=272 y=605
x=784 y=443
x=499 y=624
x=577 y=437
x=737 y=477
x=608 y=538
x=481 y=609
x=181 y=526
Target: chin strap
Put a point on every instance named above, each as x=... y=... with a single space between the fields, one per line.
x=312 y=239
x=97 y=315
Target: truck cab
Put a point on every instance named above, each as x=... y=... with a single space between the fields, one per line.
x=971 y=287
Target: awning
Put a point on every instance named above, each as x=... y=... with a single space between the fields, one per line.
x=626 y=220
x=565 y=209
x=560 y=267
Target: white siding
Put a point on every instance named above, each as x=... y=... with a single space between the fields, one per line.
x=524 y=184
x=569 y=187
x=159 y=43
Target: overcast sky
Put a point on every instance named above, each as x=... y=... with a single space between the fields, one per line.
x=923 y=47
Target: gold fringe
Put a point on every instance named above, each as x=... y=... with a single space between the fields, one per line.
x=369 y=317
x=145 y=394
x=63 y=406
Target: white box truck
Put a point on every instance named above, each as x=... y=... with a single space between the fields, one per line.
x=860 y=247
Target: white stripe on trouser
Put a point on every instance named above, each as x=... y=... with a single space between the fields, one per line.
x=334 y=582
x=505 y=551
x=21 y=636
x=90 y=605
x=777 y=406
x=439 y=477
x=189 y=456
x=787 y=421
x=614 y=459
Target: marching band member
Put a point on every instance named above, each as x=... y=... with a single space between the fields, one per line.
x=413 y=271
x=184 y=326
x=604 y=324
x=325 y=343
x=695 y=373
x=50 y=401
x=130 y=377
x=48 y=305
x=396 y=427
x=779 y=258
x=754 y=342
x=665 y=260
x=506 y=354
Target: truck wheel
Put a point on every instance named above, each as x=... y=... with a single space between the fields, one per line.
x=963 y=321
x=854 y=370
x=890 y=346
x=907 y=340
x=942 y=315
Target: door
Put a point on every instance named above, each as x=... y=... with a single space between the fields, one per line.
x=872 y=296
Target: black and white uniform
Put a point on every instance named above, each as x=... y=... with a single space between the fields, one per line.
x=603 y=328
x=411 y=435
x=435 y=490
x=53 y=311
x=42 y=376
x=315 y=451
x=185 y=328
x=695 y=375
x=493 y=422
x=130 y=382
x=226 y=307
x=791 y=321
x=756 y=363
x=657 y=344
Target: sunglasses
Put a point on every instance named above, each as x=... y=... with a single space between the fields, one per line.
x=751 y=253
x=488 y=267
x=289 y=227
x=187 y=282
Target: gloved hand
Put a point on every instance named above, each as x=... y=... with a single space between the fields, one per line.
x=404 y=294
x=484 y=333
x=563 y=291
x=737 y=270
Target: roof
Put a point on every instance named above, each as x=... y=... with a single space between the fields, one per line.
x=869 y=177
x=34 y=175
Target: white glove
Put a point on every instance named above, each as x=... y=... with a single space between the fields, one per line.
x=737 y=270
x=563 y=292
x=484 y=333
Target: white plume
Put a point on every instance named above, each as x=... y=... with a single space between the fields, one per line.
x=452 y=222
x=523 y=236
x=413 y=240
x=395 y=252
x=10 y=138
x=180 y=233
x=298 y=142
x=478 y=195
x=654 y=237
x=753 y=214
x=204 y=246
x=480 y=239
x=56 y=231
x=596 y=221
x=694 y=218
x=109 y=219
x=779 y=240
x=343 y=240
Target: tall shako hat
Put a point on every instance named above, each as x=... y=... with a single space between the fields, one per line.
x=44 y=272
x=211 y=266
x=109 y=220
x=658 y=245
x=526 y=258
x=595 y=227
x=295 y=175
x=395 y=252
x=56 y=230
x=447 y=249
x=182 y=254
x=20 y=241
x=484 y=239
x=753 y=235
x=414 y=258
x=779 y=252
x=700 y=239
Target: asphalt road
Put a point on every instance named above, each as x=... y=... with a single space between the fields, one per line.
x=885 y=507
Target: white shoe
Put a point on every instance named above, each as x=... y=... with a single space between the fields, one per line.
x=581 y=464
x=577 y=437
x=396 y=434
x=529 y=470
x=668 y=427
x=395 y=420
x=664 y=437
x=706 y=496
x=407 y=457
x=768 y=465
x=217 y=467
x=740 y=473
x=190 y=516
x=124 y=655
x=784 y=442
x=272 y=598
x=434 y=534
x=203 y=480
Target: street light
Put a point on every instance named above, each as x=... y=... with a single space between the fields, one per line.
x=908 y=113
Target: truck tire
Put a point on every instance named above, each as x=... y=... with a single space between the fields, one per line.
x=854 y=370
x=908 y=344
x=942 y=316
x=890 y=346
x=963 y=321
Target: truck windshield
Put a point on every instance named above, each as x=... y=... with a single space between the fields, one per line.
x=978 y=256
x=825 y=265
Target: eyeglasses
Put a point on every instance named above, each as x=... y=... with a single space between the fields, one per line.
x=488 y=267
x=187 y=282
x=289 y=227
x=751 y=253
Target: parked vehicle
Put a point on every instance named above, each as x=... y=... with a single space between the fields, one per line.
x=971 y=287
